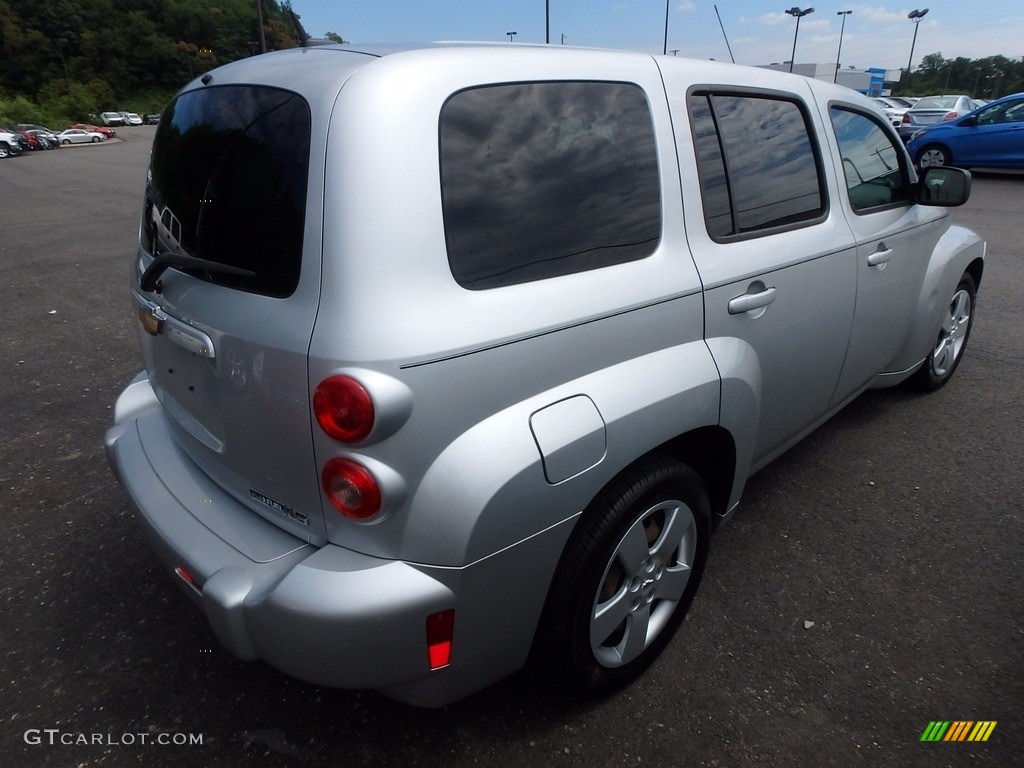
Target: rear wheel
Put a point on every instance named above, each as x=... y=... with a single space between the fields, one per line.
x=627 y=578
x=4 y=151
x=933 y=154
x=952 y=337
x=95 y=139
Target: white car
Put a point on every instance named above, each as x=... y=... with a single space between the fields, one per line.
x=891 y=108
x=131 y=118
x=78 y=136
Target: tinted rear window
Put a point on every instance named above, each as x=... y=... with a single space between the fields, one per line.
x=547 y=179
x=227 y=183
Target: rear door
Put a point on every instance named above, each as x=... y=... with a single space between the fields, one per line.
x=776 y=260
x=226 y=341
x=996 y=137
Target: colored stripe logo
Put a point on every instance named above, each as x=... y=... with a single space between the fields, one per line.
x=958 y=730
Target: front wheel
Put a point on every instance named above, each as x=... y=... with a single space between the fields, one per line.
x=627 y=577
x=951 y=340
x=4 y=151
x=95 y=139
x=933 y=154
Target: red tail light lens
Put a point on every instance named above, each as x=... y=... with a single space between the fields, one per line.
x=906 y=118
x=351 y=489
x=440 y=628
x=951 y=116
x=343 y=409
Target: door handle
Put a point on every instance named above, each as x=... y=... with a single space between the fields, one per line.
x=751 y=301
x=879 y=257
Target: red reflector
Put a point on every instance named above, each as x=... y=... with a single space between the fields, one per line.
x=350 y=488
x=343 y=408
x=187 y=577
x=440 y=627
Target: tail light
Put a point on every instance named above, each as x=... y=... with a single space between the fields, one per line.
x=343 y=409
x=951 y=116
x=440 y=628
x=906 y=118
x=351 y=489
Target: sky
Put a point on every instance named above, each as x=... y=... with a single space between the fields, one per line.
x=759 y=32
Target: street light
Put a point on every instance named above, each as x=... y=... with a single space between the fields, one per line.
x=842 y=29
x=511 y=36
x=799 y=14
x=915 y=16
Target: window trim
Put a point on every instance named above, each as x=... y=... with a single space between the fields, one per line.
x=720 y=89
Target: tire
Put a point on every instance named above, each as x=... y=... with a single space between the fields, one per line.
x=65 y=141
x=95 y=139
x=951 y=341
x=933 y=154
x=627 y=577
x=4 y=151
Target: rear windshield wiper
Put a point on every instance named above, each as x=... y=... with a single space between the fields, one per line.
x=175 y=259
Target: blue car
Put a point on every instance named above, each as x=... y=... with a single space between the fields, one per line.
x=989 y=137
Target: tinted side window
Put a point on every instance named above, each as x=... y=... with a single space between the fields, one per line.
x=227 y=183
x=873 y=165
x=547 y=179
x=759 y=167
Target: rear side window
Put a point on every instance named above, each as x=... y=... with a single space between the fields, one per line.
x=547 y=179
x=227 y=183
x=758 y=164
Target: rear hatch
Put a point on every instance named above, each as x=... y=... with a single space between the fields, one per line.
x=226 y=299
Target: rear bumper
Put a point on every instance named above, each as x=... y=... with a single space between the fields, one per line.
x=327 y=615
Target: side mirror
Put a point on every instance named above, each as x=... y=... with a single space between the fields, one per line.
x=942 y=185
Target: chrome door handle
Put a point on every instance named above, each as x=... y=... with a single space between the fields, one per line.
x=751 y=301
x=879 y=257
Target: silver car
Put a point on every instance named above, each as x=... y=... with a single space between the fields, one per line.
x=457 y=356
x=932 y=110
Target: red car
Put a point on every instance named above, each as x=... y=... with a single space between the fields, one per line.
x=108 y=132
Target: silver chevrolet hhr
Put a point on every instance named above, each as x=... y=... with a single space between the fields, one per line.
x=456 y=356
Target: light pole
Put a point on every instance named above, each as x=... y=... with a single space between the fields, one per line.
x=915 y=16
x=798 y=14
x=547 y=22
x=664 y=48
x=842 y=29
x=511 y=36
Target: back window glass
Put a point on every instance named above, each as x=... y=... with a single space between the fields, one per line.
x=546 y=179
x=227 y=183
x=758 y=163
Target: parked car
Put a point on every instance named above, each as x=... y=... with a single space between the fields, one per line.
x=9 y=144
x=78 y=136
x=991 y=136
x=29 y=140
x=111 y=118
x=108 y=132
x=153 y=118
x=934 y=109
x=46 y=139
x=470 y=368
x=17 y=137
x=131 y=118
x=891 y=109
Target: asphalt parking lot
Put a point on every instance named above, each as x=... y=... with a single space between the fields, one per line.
x=868 y=585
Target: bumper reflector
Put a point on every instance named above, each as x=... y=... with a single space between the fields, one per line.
x=187 y=577
x=440 y=627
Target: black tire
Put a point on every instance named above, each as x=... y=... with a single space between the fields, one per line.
x=95 y=139
x=639 y=551
x=65 y=141
x=934 y=154
x=951 y=341
x=4 y=151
